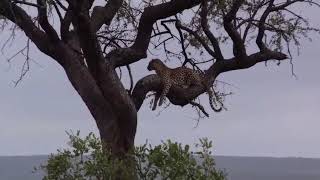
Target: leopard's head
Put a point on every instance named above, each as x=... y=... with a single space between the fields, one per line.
x=154 y=64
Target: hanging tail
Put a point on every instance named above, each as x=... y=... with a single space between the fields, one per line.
x=212 y=102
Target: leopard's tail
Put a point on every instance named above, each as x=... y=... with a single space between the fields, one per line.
x=211 y=101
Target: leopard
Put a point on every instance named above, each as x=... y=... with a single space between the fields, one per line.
x=181 y=76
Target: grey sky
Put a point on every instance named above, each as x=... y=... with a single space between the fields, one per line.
x=270 y=114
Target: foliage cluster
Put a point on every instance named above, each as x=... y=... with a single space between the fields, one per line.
x=86 y=159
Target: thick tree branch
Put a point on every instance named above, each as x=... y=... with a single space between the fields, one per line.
x=249 y=61
x=261 y=26
x=238 y=43
x=104 y=73
x=94 y=98
x=180 y=96
x=88 y=39
x=65 y=25
x=104 y=15
x=209 y=34
x=43 y=21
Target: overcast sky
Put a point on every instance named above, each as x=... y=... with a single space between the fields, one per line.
x=270 y=114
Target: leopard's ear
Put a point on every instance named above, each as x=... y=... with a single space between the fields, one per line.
x=159 y=61
x=150 y=66
x=155 y=60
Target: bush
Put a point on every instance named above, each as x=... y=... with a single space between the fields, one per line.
x=85 y=159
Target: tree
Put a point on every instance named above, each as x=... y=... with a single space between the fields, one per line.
x=92 y=41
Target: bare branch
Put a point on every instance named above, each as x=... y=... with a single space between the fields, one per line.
x=285 y=4
x=61 y=5
x=252 y=16
x=201 y=40
x=26 y=3
x=150 y=15
x=18 y=16
x=57 y=10
x=26 y=65
x=181 y=39
x=131 y=78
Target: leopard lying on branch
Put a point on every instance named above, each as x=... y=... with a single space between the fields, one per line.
x=181 y=76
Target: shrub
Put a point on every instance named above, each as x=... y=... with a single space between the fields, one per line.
x=85 y=159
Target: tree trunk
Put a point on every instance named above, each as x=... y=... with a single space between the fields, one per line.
x=107 y=100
